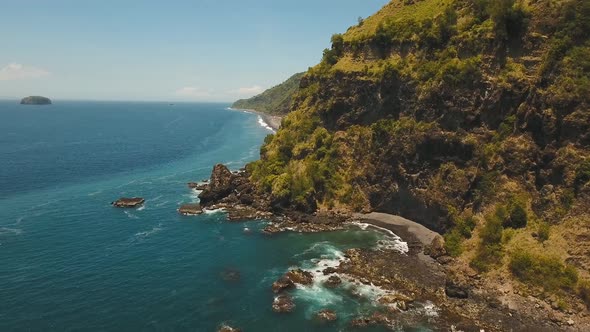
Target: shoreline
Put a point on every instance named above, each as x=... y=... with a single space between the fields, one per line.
x=402 y=227
x=273 y=121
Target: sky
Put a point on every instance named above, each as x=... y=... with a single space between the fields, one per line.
x=156 y=50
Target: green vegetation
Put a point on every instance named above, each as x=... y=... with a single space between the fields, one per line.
x=548 y=273
x=276 y=100
x=489 y=251
x=543 y=232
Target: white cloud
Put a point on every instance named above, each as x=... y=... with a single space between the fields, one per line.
x=193 y=92
x=17 y=71
x=250 y=91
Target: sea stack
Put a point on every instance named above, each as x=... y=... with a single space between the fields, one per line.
x=128 y=202
x=35 y=100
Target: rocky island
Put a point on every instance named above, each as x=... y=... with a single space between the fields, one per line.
x=35 y=100
x=128 y=202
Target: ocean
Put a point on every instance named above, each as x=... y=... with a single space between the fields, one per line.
x=69 y=261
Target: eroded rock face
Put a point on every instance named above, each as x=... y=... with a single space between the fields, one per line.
x=436 y=248
x=198 y=185
x=283 y=304
x=190 y=209
x=128 y=202
x=219 y=186
x=326 y=315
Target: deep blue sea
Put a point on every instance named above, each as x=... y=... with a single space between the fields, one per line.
x=71 y=262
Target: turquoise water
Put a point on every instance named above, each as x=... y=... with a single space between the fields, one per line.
x=69 y=261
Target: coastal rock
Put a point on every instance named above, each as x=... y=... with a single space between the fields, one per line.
x=329 y=270
x=227 y=328
x=326 y=315
x=455 y=290
x=282 y=284
x=333 y=281
x=198 y=185
x=220 y=185
x=271 y=229
x=283 y=303
x=128 y=202
x=436 y=248
x=35 y=100
x=300 y=277
x=190 y=209
x=376 y=318
x=291 y=278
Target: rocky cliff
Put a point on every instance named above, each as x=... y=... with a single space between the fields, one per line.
x=469 y=116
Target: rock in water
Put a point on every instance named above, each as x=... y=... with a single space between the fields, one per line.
x=333 y=281
x=300 y=277
x=128 y=202
x=282 y=284
x=220 y=185
x=35 y=100
x=283 y=303
x=190 y=209
x=326 y=315
x=227 y=328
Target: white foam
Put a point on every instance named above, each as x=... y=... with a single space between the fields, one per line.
x=265 y=125
x=430 y=309
x=141 y=208
x=162 y=203
x=321 y=296
x=214 y=211
x=393 y=242
x=154 y=230
x=131 y=215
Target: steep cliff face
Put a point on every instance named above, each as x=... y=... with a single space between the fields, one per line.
x=452 y=113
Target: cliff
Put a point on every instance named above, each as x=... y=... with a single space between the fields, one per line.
x=276 y=100
x=35 y=100
x=469 y=116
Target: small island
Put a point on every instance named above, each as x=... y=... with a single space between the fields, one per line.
x=35 y=100
x=128 y=202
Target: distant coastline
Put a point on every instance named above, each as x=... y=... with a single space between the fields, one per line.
x=273 y=121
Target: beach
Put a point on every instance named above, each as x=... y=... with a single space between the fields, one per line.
x=272 y=121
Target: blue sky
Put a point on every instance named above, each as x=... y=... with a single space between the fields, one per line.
x=201 y=50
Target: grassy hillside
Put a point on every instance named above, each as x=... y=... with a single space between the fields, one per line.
x=276 y=100
x=469 y=116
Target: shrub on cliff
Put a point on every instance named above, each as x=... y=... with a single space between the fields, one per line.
x=517 y=217
x=489 y=250
x=509 y=18
x=547 y=272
